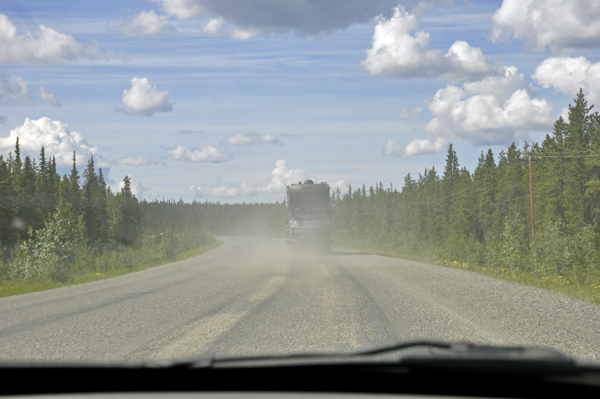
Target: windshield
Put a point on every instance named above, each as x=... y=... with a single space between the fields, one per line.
x=152 y=153
x=309 y=202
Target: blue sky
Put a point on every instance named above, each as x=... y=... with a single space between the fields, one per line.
x=230 y=101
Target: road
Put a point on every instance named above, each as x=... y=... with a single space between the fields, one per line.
x=254 y=296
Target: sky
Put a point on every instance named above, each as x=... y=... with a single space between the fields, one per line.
x=230 y=101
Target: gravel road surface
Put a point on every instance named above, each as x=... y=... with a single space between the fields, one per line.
x=255 y=296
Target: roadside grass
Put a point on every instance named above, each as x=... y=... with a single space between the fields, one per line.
x=17 y=287
x=562 y=284
x=557 y=283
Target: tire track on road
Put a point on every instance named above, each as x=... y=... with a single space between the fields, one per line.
x=193 y=338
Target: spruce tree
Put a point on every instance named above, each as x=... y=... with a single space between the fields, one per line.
x=127 y=217
x=7 y=211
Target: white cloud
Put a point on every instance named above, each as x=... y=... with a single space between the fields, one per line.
x=567 y=75
x=137 y=188
x=14 y=91
x=251 y=138
x=244 y=190
x=415 y=113
x=282 y=176
x=143 y=24
x=45 y=46
x=556 y=25
x=501 y=87
x=391 y=148
x=224 y=192
x=306 y=17
x=415 y=147
x=399 y=54
x=48 y=97
x=220 y=27
x=491 y=111
x=144 y=99
x=207 y=154
x=54 y=136
x=424 y=146
x=134 y=161
x=214 y=26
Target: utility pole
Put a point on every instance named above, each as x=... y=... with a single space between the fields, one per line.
x=531 y=197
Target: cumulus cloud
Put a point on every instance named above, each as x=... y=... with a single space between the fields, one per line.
x=413 y=113
x=207 y=154
x=144 y=99
x=282 y=176
x=45 y=46
x=251 y=138
x=54 y=136
x=143 y=24
x=416 y=147
x=137 y=188
x=305 y=17
x=398 y=53
x=555 y=25
x=567 y=75
x=492 y=111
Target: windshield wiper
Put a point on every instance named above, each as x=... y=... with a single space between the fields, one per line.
x=432 y=353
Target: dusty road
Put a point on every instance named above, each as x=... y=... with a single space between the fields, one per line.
x=254 y=296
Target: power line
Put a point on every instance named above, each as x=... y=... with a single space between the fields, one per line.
x=566 y=156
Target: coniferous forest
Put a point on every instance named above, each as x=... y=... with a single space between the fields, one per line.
x=56 y=228
x=483 y=218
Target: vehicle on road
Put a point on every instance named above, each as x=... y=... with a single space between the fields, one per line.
x=309 y=212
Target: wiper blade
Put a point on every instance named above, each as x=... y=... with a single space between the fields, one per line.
x=466 y=355
x=405 y=345
x=433 y=353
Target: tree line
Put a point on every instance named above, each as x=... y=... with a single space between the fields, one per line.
x=32 y=191
x=56 y=227
x=248 y=219
x=483 y=217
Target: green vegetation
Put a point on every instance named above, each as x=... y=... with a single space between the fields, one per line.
x=57 y=231
x=254 y=219
x=138 y=259
x=482 y=219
